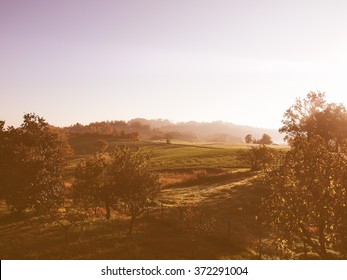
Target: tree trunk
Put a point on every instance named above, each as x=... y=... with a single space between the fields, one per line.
x=305 y=250
x=307 y=238
x=322 y=241
x=108 y=210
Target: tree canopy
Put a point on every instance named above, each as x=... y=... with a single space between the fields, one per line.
x=137 y=184
x=249 y=138
x=31 y=165
x=124 y=175
x=265 y=139
x=92 y=187
x=313 y=116
x=308 y=197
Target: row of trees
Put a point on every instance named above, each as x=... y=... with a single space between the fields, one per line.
x=264 y=140
x=148 y=129
x=121 y=178
x=32 y=160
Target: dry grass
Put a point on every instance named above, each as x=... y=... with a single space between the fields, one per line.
x=176 y=177
x=159 y=234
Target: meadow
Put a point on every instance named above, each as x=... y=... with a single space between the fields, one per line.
x=206 y=209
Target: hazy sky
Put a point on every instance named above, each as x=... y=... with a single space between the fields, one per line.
x=238 y=61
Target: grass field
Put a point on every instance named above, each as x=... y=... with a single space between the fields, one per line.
x=178 y=154
x=211 y=180
x=160 y=234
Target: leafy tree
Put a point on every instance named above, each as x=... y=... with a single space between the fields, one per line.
x=308 y=190
x=137 y=184
x=31 y=163
x=331 y=125
x=299 y=119
x=3 y=158
x=262 y=158
x=265 y=139
x=249 y=138
x=168 y=136
x=313 y=116
x=92 y=187
x=124 y=175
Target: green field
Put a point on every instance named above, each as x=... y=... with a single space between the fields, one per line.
x=212 y=180
x=178 y=154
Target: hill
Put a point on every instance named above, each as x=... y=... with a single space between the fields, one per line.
x=217 y=131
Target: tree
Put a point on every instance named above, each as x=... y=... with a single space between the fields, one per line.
x=124 y=175
x=249 y=138
x=308 y=190
x=298 y=121
x=313 y=116
x=168 y=136
x=92 y=187
x=31 y=163
x=261 y=157
x=135 y=136
x=265 y=140
x=3 y=158
x=137 y=184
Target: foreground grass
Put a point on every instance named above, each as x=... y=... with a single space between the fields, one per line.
x=211 y=178
x=160 y=234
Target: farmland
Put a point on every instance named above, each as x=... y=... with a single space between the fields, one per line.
x=210 y=181
x=178 y=155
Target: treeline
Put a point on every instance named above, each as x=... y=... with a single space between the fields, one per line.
x=164 y=129
x=128 y=130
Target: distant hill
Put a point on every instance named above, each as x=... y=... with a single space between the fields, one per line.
x=217 y=131
x=222 y=130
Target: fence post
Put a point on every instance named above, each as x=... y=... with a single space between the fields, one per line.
x=228 y=237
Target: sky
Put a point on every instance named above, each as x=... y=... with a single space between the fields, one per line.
x=242 y=61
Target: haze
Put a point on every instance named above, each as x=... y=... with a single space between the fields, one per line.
x=238 y=61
